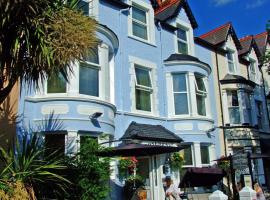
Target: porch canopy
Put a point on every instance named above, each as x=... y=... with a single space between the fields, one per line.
x=145 y=140
x=198 y=177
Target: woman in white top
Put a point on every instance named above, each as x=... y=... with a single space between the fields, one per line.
x=172 y=192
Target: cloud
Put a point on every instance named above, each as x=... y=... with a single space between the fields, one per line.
x=255 y=4
x=222 y=2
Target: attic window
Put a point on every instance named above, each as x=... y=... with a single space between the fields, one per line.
x=182 y=41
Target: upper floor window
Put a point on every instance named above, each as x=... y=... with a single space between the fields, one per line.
x=56 y=84
x=205 y=157
x=139 y=22
x=143 y=89
x=84 y=5
x=201 y=94
x=233 y=107
x=259 y=113
x=231 y=62
x=252 y=71
x=248 y=107
x=187 y=155
x=182 y=41
x=180 y=94
x=89 y=75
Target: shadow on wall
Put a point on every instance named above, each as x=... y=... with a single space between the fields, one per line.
x=8 y=121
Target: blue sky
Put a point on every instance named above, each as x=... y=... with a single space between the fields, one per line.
x=248 y=16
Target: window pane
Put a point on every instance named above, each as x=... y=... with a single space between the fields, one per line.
x=179 y=83
x=89 y=81
x=234 y=115
x=182 y=34
x=93 y=57
x=54 y=142
x=182 y=47
x=84 y=7
x=201 y=105
x=187 y=154
x=56 y=84
x=205 y=155
x=180 y=103
x=142 y=76
x=143 y=100
x=235 y=98
x=230 y=56
x=139 y=14
x=139 y=30
x=200 y=83
x=231 y=67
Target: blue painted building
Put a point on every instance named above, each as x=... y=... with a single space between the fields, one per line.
x=146 y=69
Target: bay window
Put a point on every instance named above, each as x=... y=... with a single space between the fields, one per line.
x=182 y=41
x=248 y=107
x=143 y=88
x=180 y=94
x=55 y=142
x=231 y=62
x=205 y=157
x=139 y=22
x=56 y=83
x=233 y=107
x=201 y=95
x=89 y=75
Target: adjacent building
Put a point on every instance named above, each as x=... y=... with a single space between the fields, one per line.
x=241 y=105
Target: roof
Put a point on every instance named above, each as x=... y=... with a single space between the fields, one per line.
x=230 y=78
x=171 y=9
x=184 y=57
x=247 y=44
x=219 y=35
x=150 y=133
x=261 y=41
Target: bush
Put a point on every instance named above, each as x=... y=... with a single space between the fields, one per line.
x=90 y=173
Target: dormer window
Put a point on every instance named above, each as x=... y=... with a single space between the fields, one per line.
x=182 y=41
x=231 y=62
x=139 y=22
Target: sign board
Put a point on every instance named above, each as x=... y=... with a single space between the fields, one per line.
x=247 y=181
x=240 y=164
x=157 y=143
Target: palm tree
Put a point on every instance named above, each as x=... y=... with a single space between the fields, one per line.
x=39 y=38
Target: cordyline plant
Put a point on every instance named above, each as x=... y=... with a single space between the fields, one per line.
x=28 y=166
x=39 y=38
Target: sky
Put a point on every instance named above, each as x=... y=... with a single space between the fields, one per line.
x=249 y=17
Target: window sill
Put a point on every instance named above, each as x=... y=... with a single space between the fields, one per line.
x=142 y=40
x=188 y=117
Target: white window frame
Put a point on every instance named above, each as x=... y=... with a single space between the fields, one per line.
x=192 y=156
x=187 y=92
x=93 y=66
x=154 y=101
x=201 y=93
x=183 y=41
x=231 y=106
x=144 y=88
x=189 y=31
x=142 y=5
x=209 y=155
x=233 y=61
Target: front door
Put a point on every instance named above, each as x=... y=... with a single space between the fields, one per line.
x=144 y=171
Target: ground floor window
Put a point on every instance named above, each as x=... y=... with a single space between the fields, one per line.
x=55 y=142
x=187 y=155
x=205 y=157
